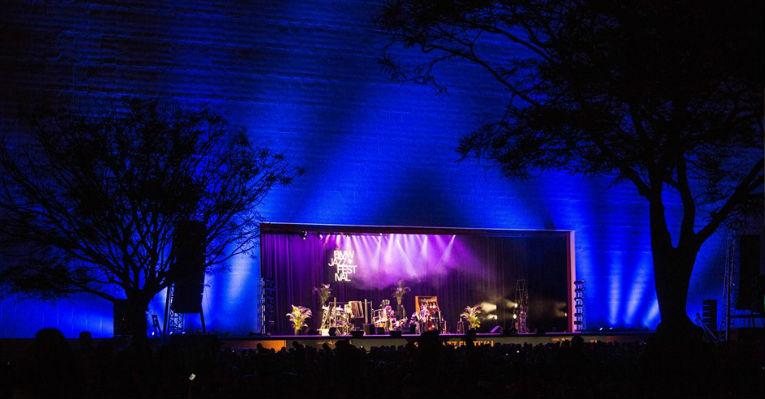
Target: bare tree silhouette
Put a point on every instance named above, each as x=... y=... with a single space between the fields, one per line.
x=91 y=204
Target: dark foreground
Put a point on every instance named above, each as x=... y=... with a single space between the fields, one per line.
x=52 y=368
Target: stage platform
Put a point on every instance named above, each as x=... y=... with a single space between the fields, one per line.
x=277 y=342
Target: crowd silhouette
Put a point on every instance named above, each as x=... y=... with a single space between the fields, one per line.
x=201 y=367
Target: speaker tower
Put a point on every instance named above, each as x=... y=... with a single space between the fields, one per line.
x=187 y=270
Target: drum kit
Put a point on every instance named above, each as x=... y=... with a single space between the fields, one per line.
x=340 y=319
x=341 y=316
x=344 y=318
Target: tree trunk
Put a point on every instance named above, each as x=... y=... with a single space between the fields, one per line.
x=676 y=361
x=672 y=274
x=672 y=269
x=136 y=306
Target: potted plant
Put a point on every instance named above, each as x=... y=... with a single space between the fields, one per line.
x=471 y=316
x=298 y=317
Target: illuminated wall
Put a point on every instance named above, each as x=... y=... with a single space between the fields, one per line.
x=303 y=77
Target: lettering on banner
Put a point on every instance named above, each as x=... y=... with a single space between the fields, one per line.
x=343 y=262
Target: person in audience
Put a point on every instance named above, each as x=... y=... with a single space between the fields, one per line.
x=203 y=368
x=49 y=368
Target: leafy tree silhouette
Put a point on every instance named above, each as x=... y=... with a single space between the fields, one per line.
x=665 y=95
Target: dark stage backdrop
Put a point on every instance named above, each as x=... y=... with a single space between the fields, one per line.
x=464 y=268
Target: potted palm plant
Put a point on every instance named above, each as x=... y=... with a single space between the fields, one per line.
x=298 y=317
x=471 y=316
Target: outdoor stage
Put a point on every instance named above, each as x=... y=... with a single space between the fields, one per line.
x=372 y=341
x=414 y=279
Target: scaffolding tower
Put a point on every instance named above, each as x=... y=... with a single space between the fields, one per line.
x=522 y=298
x=579 y=325
x=173 y=321
x=267 y=305
x=729 y=289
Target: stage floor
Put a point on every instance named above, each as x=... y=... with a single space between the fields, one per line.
x=277 y=342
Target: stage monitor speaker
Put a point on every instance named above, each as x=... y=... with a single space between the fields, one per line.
x=749 y=291
x=120 y=319
x=187 y=271
x=709 y=314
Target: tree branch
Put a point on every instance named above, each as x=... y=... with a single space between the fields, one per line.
x=687 y=234
x=750 y=181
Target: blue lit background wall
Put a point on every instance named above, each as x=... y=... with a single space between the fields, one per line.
x=302 y=76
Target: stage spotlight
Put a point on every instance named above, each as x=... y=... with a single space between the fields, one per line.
x=488 y=307
x=303 y=234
